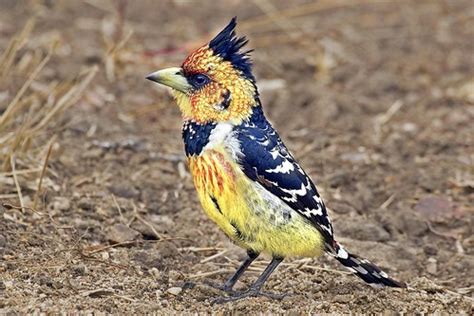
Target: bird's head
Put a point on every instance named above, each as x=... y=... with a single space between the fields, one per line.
x=215 y=82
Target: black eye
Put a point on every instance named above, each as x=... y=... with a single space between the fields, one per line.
x=199 y=80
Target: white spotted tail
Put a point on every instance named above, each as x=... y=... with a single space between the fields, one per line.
x=364 y=269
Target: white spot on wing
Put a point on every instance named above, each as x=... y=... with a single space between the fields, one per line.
x=289 y=199
x=328 y=229
x=274 y=152
x=313 y=212
x=318 y=211
x=301 y=192
x=285 y=167
x=317 y=199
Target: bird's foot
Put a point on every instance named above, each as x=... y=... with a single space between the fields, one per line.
x=221 y=287
x=249 y=293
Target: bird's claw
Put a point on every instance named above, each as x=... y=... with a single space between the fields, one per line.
x=248 y=293
x=221 y=287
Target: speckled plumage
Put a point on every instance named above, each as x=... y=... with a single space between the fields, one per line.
x=247 y=181
x=240 y=200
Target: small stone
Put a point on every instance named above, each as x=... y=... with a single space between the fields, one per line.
x=412 y=223
x=188 y=285
x=174 y=290
x=167 y=250
x=432 y=266
x=121 y=233
x=86 y=204
x=434 y=208
x=159 y=223
x=174 y=276
x=148 y=260
x=125 y=191
x=146 y=231
x=94 y=153
x=430 y=250
x=61 y=204
x=410 y=128
x=158 y=294
x=45 y=280
x=155 y=272
x=79 y=269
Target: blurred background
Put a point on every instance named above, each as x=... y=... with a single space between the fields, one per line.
x=374 y=98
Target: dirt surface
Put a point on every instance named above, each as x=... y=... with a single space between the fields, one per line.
x=375 y=99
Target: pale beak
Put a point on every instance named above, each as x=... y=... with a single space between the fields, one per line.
x=171 y=77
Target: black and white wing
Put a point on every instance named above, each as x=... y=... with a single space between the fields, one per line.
x=265 y=159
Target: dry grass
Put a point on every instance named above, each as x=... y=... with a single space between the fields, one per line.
x=31 y=117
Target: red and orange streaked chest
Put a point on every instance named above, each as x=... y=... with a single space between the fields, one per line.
x=213 y=172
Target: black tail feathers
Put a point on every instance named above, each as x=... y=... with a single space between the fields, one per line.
x=364 y=269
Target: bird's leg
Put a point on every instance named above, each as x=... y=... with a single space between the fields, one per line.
x=229 y=284
x=255 y=288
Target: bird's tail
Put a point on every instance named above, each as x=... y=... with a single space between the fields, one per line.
x=364 y=269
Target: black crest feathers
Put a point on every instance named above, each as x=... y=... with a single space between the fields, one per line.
x=227 y=45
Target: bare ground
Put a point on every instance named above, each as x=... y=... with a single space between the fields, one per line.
x=376 y=100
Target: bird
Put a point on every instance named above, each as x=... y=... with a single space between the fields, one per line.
x=246 y=179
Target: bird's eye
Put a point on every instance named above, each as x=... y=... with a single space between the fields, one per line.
x=199 y=80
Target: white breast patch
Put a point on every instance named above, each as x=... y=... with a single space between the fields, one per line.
x=223 y=135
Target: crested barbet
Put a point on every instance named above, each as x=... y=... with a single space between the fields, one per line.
x=247 y=181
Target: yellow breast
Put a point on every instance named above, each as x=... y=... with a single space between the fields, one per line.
x=251 y=216
x=216 y=182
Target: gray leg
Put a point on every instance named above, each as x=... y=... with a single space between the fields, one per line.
x=255 y=288
x=229 y=284
x=266 y=274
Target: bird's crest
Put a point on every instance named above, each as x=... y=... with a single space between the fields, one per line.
x=220 y=74
x=227 y=45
